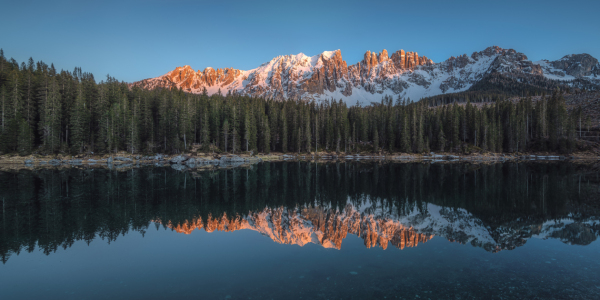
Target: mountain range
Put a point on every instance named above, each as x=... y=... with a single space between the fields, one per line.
x=401 y=75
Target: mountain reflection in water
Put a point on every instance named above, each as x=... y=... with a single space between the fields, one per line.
x=495 y=207
x=325 y=227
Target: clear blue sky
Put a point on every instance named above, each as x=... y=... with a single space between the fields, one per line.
x=133 y=40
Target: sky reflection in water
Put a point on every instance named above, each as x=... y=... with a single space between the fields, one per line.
x=289 y=230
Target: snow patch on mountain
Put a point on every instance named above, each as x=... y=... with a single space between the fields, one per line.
x=404 y=75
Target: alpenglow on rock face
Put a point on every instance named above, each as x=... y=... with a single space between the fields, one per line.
x=405 y=75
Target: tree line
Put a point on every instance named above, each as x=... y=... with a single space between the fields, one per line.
x=46 y=111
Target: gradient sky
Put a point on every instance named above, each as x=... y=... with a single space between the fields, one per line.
x=133 y=40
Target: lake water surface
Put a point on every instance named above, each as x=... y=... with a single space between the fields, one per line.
x=298 y=230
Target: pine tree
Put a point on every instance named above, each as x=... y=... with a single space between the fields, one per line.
x=29 y=94
x=266 y=136
x=79 y=119
x=205 y=133
x=247 y=128
x=404 y=136
x=225 y=134
x=25 y=143
x=354 y=136
x=328 y=133
x=234 y=132
x=2 y=61
x=50 y=116
x=317 y=129
x=187 y=117
x=375 y=141
x=147 y=125
x=253 y=131
x=307 y=135
x=441 y=138
x=391 y=134
x=9 y=138
x=420 y=147
x=299 y=140
x=15 y=94
x=3 y=108
x=338 y=140
x=133 y=133
x=284 y=133
x=454 y=115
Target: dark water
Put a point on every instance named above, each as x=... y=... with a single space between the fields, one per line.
x=303 y=231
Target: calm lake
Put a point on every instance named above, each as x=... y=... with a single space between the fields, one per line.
x=299 y=230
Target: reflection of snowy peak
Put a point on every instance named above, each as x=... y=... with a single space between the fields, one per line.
x=403 y=74
x=378 y=227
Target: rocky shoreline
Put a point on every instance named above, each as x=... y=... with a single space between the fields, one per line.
x=196 y=161
x=177 y=162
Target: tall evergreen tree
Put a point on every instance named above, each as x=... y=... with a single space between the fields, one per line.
x=79 y=120
x=50 y=116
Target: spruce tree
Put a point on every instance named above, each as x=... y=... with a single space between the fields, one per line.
x=225 y=134
x=25 y=142
x=3 y=108
x=266 y=136
x=50 y=116
x=205 y=133
x=284 y=133
x=133 y=132
x=307 y=135
x=375 y=141
x=247 y=129
x=16 y=97
x=391 y=134
x=9 y=138
x=404 y=136
x=79 y=120
x=441 y=139
x=299 y=140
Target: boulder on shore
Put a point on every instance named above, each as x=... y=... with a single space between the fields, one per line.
x=179 y=159
x=191 y=162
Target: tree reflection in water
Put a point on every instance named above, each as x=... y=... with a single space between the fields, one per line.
x=497 y=206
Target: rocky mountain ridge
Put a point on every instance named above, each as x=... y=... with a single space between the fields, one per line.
x=405 y=75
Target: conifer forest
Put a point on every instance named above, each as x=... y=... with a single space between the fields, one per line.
x=46 y=111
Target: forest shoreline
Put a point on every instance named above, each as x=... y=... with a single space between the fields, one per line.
x=199 y=161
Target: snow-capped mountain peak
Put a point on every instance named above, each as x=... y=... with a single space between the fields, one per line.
x=399 y=75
